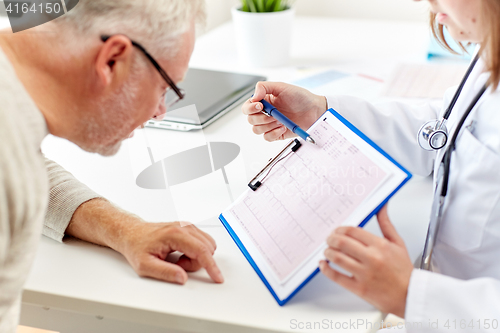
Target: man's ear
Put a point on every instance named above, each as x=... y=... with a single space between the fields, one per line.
x=114 y=59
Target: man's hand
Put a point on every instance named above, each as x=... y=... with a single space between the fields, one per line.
x=298 y=104
x=381 y=267
x=146 y=245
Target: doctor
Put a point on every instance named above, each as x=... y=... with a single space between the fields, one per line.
x=459 y=287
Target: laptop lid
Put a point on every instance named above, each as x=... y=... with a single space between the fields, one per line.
x=211 y=94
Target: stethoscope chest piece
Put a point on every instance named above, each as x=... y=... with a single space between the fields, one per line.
x=433 y=135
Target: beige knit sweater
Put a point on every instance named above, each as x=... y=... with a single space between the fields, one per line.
x=33 y=190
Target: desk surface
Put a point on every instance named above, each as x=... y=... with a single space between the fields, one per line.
x=97 y=281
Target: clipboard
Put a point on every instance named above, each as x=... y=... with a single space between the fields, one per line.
x=281 y=222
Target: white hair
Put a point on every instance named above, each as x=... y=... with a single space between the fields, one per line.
x=156 y=24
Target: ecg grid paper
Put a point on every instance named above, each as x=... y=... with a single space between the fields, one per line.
x=305 y=198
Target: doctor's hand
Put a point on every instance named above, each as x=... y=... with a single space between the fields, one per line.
x=381 y=267
x=298 y=104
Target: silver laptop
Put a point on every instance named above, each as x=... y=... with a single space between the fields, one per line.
x=211 y=94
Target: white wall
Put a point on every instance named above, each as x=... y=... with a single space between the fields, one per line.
x=403 y=10
x=219 y=11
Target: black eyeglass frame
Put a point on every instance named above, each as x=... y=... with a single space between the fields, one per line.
x=180 y=93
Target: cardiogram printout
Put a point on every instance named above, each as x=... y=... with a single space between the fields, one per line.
x=306 y=197
x=308 y=194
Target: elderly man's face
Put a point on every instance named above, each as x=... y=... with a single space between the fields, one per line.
x=116 y=114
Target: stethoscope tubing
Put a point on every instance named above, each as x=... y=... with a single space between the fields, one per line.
x=433 y=135
x=454 y=100
x=447 y=155
x=446 y=162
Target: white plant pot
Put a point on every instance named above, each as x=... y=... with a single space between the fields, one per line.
x=263 y=39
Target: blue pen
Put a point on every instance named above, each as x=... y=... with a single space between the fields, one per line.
x=271 y=111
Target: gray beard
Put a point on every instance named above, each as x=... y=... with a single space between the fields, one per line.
x=103 y=129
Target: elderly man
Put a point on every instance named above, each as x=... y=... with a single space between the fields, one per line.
x=92 y=83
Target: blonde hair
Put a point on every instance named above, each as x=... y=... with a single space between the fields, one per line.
x=156 y=24
x=490 y=46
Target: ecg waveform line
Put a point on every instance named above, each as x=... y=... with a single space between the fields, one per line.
x=305 y=198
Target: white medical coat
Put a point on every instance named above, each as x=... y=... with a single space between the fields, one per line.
x=464 y=284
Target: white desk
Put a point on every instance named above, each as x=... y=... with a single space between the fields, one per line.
x=78 y=287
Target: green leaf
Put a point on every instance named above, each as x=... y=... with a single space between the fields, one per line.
x=266 y=5
x=270 y=5
x=251 y=5
x=278 y=6
x=244 y=6
x=260 y=6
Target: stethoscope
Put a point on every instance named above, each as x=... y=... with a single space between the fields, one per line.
x=433 y=135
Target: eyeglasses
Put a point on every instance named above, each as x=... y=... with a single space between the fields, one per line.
x=170 y=98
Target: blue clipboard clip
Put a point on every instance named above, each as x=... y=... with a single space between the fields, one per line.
x=256 y=182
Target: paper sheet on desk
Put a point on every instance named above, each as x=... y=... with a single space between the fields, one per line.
x=424 y=80
x=326 y=184
x=333 y=82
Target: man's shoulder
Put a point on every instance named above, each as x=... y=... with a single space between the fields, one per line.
x=19 y=115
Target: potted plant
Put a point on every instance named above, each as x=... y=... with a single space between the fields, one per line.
x=263 y=32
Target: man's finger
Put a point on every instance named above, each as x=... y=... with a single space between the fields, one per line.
x=188 y=264
x=156 y=268
x=387 y=228
x=208 y=237
x=196 y=232
x=204 y=237
x=195 y=249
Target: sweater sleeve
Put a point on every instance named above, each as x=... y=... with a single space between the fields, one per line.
x=66 y=195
